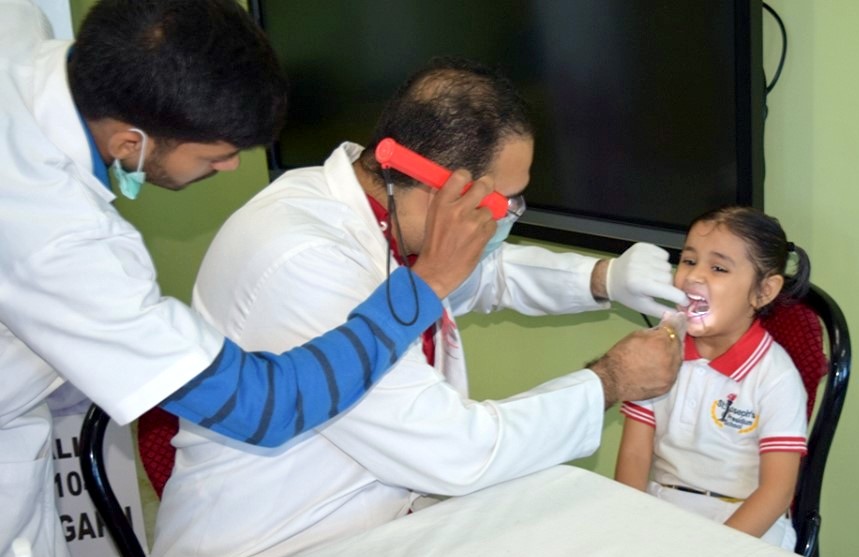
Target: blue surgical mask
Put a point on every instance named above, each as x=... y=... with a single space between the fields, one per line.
x=503 y=226
x=130 y=182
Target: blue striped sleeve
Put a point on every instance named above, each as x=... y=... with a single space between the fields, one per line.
x=267 y=399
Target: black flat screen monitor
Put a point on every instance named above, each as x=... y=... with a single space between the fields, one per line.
x=648 y=112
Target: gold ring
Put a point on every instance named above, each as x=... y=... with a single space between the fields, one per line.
x=672 y=334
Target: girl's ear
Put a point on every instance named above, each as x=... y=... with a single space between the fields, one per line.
x=768 y=289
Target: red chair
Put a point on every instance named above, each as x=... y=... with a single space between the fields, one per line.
x=799 y=329
x=155 y=429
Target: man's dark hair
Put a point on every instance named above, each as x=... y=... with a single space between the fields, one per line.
x=455 y=112
x=181 y=70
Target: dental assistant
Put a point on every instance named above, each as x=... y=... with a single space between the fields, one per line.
x=170 y=91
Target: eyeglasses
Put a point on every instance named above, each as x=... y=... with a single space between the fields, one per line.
x=516 y=206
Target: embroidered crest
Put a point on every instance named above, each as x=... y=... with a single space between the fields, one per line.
x=725 y=414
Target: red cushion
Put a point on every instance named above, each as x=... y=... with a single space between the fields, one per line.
x=155 y=430
x=797 y=328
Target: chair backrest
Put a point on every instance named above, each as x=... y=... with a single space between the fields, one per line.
x=98 y=486
x=798 y=329
x=155 y=430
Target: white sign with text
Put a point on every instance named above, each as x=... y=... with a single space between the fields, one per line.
x=84 y=530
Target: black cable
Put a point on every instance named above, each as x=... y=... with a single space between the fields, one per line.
x=647 y=320
x=783 y=47
x=393 y=221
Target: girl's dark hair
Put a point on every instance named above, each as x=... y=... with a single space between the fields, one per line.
x=768 y=249
x=181 y=70
x=456 y=112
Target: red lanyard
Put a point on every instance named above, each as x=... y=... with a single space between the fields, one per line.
x=381 y=214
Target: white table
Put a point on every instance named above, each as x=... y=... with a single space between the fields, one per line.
x=561 y=511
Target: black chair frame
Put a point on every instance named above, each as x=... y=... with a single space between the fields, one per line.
x=98 y=486
x=806 y=507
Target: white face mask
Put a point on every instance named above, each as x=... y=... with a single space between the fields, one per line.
x=130 y=182
x=503 y=226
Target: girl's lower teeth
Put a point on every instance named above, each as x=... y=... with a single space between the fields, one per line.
x=698 y=309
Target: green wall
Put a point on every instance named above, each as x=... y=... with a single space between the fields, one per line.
x=813 y=163
x=178 y=226
x=812 y=148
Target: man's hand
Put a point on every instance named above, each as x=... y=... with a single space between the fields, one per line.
x=643 y=364
x=639 y=275
x=456 y=233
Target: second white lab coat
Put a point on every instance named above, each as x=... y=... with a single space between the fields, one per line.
x=78 y=297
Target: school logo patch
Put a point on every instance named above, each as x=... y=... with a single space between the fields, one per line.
x=726 y=414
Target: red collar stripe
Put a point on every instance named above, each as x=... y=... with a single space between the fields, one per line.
x=759 y=352
x=741 y=358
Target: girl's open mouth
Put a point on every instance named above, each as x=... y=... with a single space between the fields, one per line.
x=699 y=306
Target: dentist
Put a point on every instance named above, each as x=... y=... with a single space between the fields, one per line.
x=322 y=238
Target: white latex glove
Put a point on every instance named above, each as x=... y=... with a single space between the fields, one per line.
x=641 y=274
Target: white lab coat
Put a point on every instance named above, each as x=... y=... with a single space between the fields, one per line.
x=78 y=297
x=291 y=264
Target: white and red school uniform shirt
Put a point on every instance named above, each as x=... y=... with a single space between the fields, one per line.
x=720 y=415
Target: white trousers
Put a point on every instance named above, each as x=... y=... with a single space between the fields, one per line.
x=781 y=533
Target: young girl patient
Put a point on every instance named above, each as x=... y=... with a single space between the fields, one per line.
x=727 y=439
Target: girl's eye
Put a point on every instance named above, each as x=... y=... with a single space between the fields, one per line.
x=719 y=269
x=687 y=261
